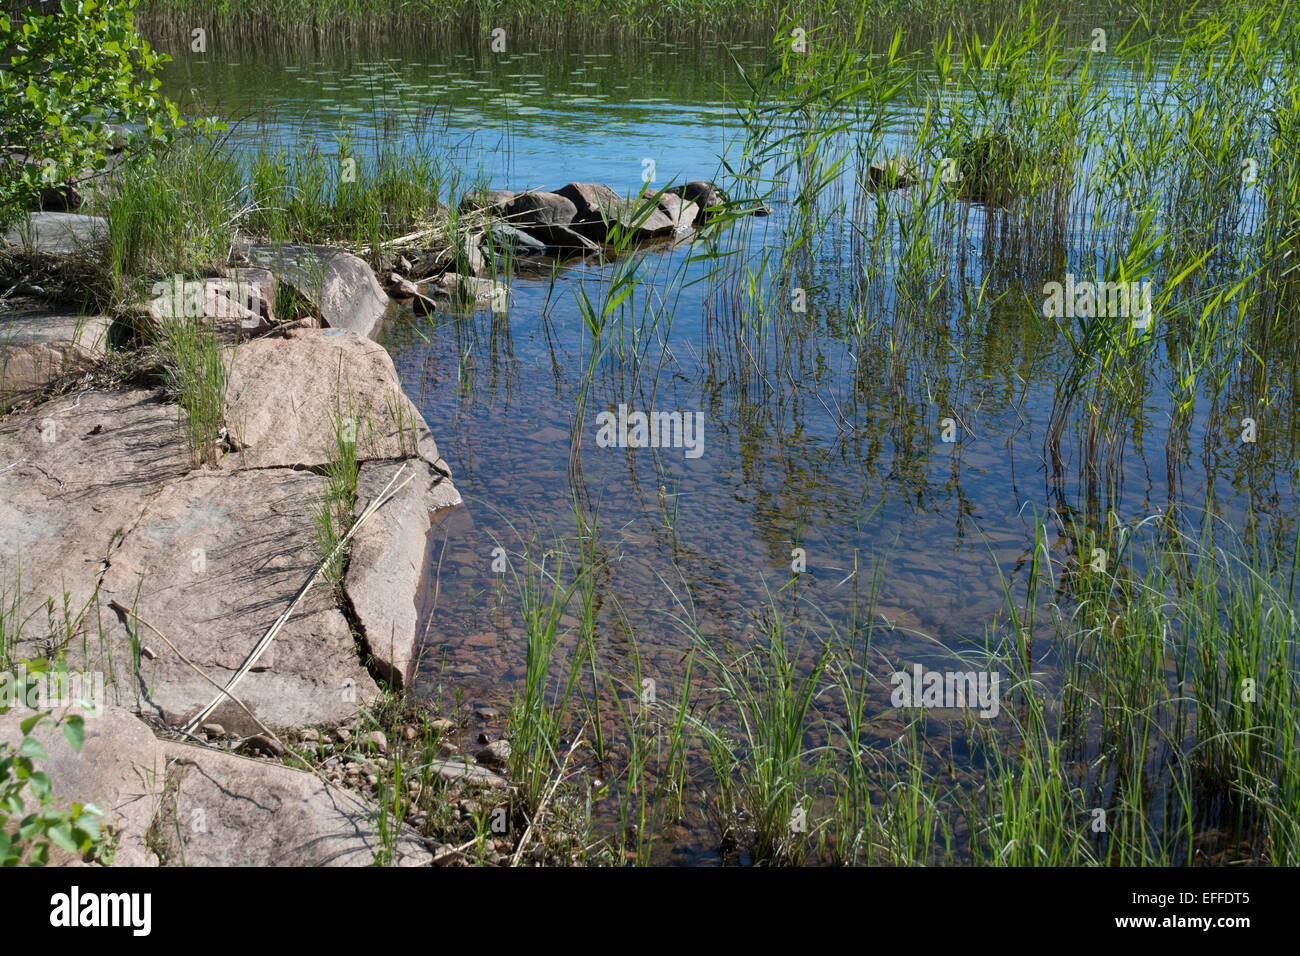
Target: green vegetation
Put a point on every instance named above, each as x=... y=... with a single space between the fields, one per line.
x=28 y=833
x=1148 y=676
x=63 y=77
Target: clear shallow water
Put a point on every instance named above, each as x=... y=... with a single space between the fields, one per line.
x=824 y=435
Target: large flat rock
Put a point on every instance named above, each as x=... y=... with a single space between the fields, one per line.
x=38 y=346
x=75 y=474
x=285 y=394
x=235 y=811
x=388 y=561
x=340 y=285
x=58 y=233
x=120 y=769
x=212 y=561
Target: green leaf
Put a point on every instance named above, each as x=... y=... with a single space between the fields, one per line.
x=61 y=835
x=33 y=748
x=41 y=787
x=74 y=731
x=26 y=726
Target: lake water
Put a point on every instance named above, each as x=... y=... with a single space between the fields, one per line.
x=825 y=436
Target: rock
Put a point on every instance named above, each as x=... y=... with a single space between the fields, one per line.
x=377 y=740
x=238 y=307
x=400 y=288
x=550 y=435
x=262 y=744
x=58 y=233
x=256 y=813
x=118 y=136
x=534 y=208
x=255 y=289
x=256 y=545
x=409 y=732
x=492 y=200
x=343 y=735
x=405 y=289
x=214 y=731
x=421 y=304
x=404 y=265
x=483 y=292
x=77 y=471
x=120 y=769
x=332 y=373
x=900 y=172
x=508 y=240
x=442 y=725
x=338 y=284
x=388 y=558
x=38 y=347
x=484 y=712
x=61 y=198
x=562 y=240
x=309 y=735
x=708 y=197
x=600 y=211
x=681 y=213
x=495 y=754
x=461 y=770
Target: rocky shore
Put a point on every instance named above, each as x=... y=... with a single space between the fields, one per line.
x=131 y=560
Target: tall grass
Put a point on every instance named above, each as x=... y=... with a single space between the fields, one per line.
x=348 y=194
x=197 y=368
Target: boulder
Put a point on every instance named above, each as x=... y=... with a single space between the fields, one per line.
x=681 y=213
x=600 y=210
x=489 y=200
x=533 y=208
x=401 y=288
x=120 y=769
x=238 y=306
x=228 y=810
x=58 y=233
x=495 y=754
x=899 y=172
x=337 y=284
x=462 y=771
x=388 y=559
x=708 y=197
x=285 y=395
x=255 y=289
x=61 y=198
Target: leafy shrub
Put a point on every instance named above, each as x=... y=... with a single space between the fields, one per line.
x=63 y=77
x=75 y=830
